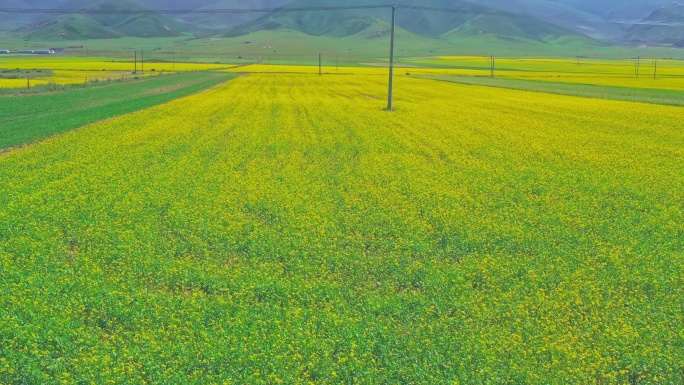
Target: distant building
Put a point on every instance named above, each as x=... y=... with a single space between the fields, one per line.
x=4 y=51
x=25 y=51
x=57 y=50
x=44 y=52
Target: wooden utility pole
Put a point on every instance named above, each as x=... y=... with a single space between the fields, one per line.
x=491 y=75
x=390 y=96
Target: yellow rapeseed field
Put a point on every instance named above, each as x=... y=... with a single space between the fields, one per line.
x=616 y=73
x=287 y=229
x=20 y=83
x=100 y=64
x=76 y=70
x=548 y=70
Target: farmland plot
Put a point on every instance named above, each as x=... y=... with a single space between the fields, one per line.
x=286 y=229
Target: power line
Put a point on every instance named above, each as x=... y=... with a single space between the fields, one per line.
x=482 y=12
x=185 y=11
x=490 y=12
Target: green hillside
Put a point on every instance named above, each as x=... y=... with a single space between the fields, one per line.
x=219 y=21
x=467 y=21
x=72 y=27
x=103 y=26
x=338 y=23
x=501 y=25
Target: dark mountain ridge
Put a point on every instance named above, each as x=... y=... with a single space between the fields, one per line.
x=663 y=26
x=605 y=20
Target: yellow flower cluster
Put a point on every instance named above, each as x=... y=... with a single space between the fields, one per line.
x=287 y=229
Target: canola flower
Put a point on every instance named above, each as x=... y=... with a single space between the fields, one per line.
x=356 y=70
x=75 y=77
x=101 y=64
x=20 y=83
x=19 y=80
x=68 y=70
x=286 y=229
x=588 y=66
x=615 y=73
x=672 y=78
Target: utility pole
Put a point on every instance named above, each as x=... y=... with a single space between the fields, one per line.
x=337 y=63
x=655 y=69
x=173 y=56
x=638 y=64
x=492 y=66
x=142 y=61
x=135 y=68
x=28 y=82
x=320 y=64
x=390 y=94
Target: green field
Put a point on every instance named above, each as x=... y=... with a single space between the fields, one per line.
x=286 y=229
x=299 y=48
x=31 y=117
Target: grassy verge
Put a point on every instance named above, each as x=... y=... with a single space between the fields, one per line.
x=642 y=95
x=29 y=118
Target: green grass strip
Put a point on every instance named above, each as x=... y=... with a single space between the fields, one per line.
x=641 y=95
x=30 y=118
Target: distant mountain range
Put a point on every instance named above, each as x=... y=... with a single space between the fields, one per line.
x=469 y=20
x=215 y=21
x=605 y=20
x=662 y=31
x=104 y=26
x=650 y=22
